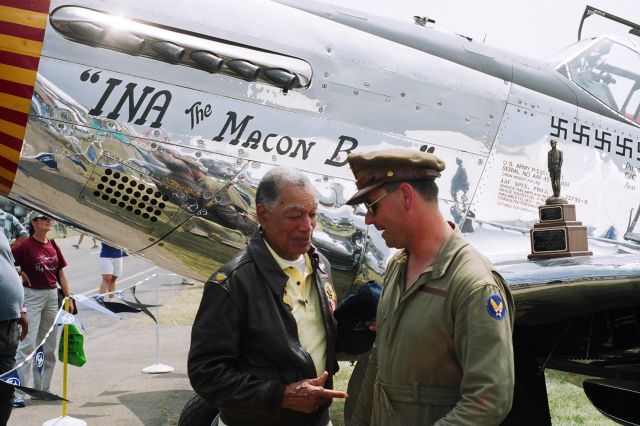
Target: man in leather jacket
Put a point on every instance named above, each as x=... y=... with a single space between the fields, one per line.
x=262 y=344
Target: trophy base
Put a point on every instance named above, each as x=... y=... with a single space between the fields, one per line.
x=558 y=234
x=534 y=256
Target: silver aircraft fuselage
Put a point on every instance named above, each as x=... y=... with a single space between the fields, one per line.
x=150 y=128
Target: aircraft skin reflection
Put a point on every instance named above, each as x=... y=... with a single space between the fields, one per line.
x=150 y=128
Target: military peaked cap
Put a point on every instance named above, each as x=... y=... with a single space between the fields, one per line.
x=375 y=168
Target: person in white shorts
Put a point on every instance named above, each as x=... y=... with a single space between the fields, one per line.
x=110 y=268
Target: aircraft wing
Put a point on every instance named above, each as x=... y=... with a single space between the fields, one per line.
x=550 y=290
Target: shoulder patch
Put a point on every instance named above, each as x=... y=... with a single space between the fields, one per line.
x=496 y=307
x=218 y=278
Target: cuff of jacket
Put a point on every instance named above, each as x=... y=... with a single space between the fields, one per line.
x=278 y=396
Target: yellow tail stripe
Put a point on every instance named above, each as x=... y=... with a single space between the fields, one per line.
x=4 y=189
x=15 y=103
x=17 y=75
x=23 y=17
x=12 y=129
x=20 y=45
x=6 y=174
x=10 y=154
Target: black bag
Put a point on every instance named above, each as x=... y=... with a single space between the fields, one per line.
x=351 y=314
x=72 y=306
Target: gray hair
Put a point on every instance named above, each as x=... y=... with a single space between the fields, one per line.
x=269 y=187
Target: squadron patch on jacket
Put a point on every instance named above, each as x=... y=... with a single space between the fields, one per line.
x=218 y=277
x=331 y=296
x=495 y=307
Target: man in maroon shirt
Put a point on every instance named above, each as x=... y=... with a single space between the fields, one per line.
x=41 y=263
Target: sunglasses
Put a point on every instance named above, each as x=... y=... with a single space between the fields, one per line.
x=371 y=210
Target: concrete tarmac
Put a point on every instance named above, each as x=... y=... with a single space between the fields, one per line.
x=110 y=388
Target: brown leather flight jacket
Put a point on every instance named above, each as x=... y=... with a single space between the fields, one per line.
x=244 y=342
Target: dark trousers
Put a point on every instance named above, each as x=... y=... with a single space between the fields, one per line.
x=9 y=339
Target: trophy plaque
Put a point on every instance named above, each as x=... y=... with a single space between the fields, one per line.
x=557 y=232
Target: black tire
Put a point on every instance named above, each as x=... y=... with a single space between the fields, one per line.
x=197 y=412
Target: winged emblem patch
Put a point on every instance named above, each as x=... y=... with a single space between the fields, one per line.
x=496 y=307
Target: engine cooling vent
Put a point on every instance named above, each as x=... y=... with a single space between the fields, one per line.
x=130 y=195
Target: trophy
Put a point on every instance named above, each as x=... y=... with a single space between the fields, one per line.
x=557 y=233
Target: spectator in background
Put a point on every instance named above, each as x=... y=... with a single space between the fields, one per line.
x=110 y=268
x=42 y=266
x=12 y=315
x=81 y=237
x=12 y=227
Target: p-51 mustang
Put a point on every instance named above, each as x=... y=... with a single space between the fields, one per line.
x=149 y=126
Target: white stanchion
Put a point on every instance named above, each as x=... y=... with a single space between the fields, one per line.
x=65 y=421
x=157 y=367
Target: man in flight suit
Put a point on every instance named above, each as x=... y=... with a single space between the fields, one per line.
x=443 y=352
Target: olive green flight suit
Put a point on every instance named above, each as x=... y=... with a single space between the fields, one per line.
x=443 y=353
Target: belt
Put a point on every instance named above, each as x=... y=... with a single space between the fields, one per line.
x=417 y=394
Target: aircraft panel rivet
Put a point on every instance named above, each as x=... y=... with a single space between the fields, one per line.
x=519 y=101
x=151 y=239
x=198 y=154
x=491 y=116
x=355 y=92
x=324 y=85
x=417 y=107
x=240 y=151
x=387 y=100
x=328 y=50
x=326 y=74
x=274 y=158
x=467 y=119
x=402 y=94
x=200 y=142
x=439 y=103
x=366 y=84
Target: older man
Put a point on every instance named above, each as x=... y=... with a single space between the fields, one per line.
x=443 y=353
x=262 y=344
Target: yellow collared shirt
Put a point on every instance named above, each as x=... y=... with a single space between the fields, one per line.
x=302 y=297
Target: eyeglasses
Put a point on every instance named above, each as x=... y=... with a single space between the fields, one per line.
x=370 y=209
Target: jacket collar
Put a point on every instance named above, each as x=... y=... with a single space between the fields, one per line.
x=269 y=268
x=450 y=248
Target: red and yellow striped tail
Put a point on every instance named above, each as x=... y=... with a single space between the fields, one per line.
x=22 y=27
